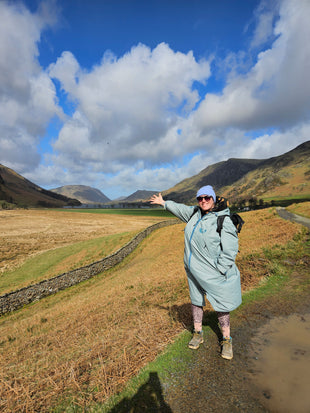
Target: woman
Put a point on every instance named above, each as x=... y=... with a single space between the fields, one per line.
x=209 y=260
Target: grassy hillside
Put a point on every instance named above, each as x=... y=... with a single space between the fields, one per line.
x=287 y=176
x=61 y=351
x=17 y=190
x=85 y=194
x=302 y=209
x=139 y=195
x=218 y=175
x=280 y=177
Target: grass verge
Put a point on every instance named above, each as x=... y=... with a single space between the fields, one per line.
x=148 y=212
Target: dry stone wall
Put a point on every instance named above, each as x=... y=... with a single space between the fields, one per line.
x=17 y=299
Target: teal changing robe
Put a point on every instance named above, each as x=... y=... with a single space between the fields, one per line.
x=209 y=258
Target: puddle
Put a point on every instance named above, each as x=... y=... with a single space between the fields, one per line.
x=281 y=364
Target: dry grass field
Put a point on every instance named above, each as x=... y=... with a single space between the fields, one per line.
x=25 y=233
x=83 y=344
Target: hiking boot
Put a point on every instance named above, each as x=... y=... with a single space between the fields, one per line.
x=227 y=351
x=196 y=340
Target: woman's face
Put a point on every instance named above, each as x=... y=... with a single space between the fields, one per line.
x=205 y=202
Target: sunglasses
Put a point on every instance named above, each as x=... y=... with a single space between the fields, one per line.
x=201 y=198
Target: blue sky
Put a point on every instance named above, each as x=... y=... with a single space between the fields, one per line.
x=124 y=95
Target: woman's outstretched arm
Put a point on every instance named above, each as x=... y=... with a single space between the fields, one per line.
x=157 y=199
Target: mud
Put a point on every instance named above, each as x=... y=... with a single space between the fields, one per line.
x=281 y=362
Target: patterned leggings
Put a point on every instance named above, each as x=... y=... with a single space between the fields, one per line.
x=224 y=318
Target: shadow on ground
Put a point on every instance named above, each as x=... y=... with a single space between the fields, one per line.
x=149 y=398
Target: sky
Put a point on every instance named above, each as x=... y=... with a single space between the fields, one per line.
x=127 y=95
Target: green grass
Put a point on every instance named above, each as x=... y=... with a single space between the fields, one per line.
x=302 y=197
x=45 y=265
x=278 y=258
x=285 y=201
x=151 y=212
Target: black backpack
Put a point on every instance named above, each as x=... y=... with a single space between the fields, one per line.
x=236 y=219
x=220 y=204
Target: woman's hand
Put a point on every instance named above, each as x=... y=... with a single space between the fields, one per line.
x=157 y=199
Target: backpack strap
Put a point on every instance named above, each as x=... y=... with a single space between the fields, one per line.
x=220 y=221
x=236 y=220
x=194 y=212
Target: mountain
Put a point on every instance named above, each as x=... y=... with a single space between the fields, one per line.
x=287 y=175
x=218 y=175
x=236 y=179
x=121 y=198
x=15 y=189
x=140 y=195
x=85 y=194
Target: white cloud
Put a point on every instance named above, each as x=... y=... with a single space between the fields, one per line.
x=128 y=109
x=138 y=116
x=27 y=94
x=276 y=143
x=275 y=92
x=265 y=15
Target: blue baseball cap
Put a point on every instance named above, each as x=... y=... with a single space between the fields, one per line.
x=206 y=190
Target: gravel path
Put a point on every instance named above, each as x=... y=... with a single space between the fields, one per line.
x=283 y=213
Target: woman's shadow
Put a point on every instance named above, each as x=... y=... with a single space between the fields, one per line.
x=149 y=398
